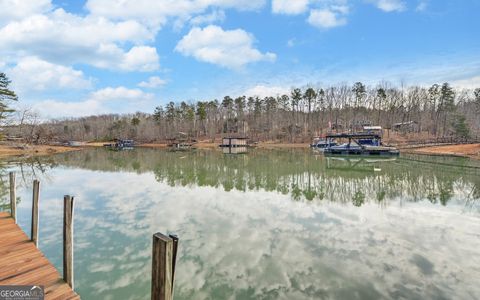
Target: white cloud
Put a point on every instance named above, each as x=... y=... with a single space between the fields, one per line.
x=214 y=16
x=156 y=13
x=113 y=34
x=323 y=14
x=263 y=91
x=390 y=5
x=289 y=7
x=120 y=94
x=103 y=101
x=32 y=73
x=75 y=30
x=138 y=58
x=422 y=5
x=141 y=58
x=227 y=48
x=57 y=109
x=152 y=82
x=11 y=10
x=468 y=83
x=325 y=18
x=65 y=38
x=342 y=9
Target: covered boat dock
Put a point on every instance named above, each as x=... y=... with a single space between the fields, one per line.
x=360 y=144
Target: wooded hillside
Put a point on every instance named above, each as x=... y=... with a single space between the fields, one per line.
x=435 y=111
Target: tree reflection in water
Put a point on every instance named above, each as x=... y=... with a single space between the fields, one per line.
x=296 y=172
x=353 y=229
x=26 y=169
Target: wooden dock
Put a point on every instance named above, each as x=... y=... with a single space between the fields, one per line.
x=22 y=263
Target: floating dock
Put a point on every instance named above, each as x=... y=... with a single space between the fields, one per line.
x=22 y=263
x=232 y=142
x=180 y=146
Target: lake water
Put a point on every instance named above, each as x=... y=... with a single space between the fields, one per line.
x=269 y=224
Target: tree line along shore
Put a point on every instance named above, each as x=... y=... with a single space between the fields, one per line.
x=407 y=114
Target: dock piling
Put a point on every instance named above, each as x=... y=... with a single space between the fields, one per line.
x=174 y=238
x=35 y=219
x=68 y=240
x=13 y=197
x=164 y=252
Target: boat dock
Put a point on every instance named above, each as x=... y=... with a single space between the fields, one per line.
x=120 y=144
x=22 y=263
x=232 y=142
x=181 y=142
x=359 y=144
x=25 y=269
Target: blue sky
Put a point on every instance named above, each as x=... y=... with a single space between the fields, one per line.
x=76 y=58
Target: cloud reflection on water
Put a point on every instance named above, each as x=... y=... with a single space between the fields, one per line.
x=260 y=244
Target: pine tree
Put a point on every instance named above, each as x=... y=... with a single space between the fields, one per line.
x=460 y=127
x=6 y=96
x=360 y=92
x=447 y=103
x=476 y=93
x=158 y=114
x=310 y=95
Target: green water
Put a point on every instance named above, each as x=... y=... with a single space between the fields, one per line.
x=263 y=225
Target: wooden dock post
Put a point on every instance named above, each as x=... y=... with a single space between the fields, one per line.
x=13 y=197
x=174 y=238
x=68 y=240
x=164 y=253
x=35 y=219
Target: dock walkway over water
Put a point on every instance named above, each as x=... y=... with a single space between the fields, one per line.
x=22 y=263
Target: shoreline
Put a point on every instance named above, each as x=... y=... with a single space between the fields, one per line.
x=14 y=150
x=208 y=145
x=458 y=150
x=33 y=150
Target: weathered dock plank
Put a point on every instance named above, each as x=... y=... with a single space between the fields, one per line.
x=21 y=263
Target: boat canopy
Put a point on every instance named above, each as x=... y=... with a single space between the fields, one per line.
x=372 y=127
x=354 y=136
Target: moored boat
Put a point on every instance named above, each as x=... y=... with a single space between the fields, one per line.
x=360 y=144
x=120 y=144
x=321 y=144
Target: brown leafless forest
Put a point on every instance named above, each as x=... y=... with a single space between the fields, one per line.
x=433 y=112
